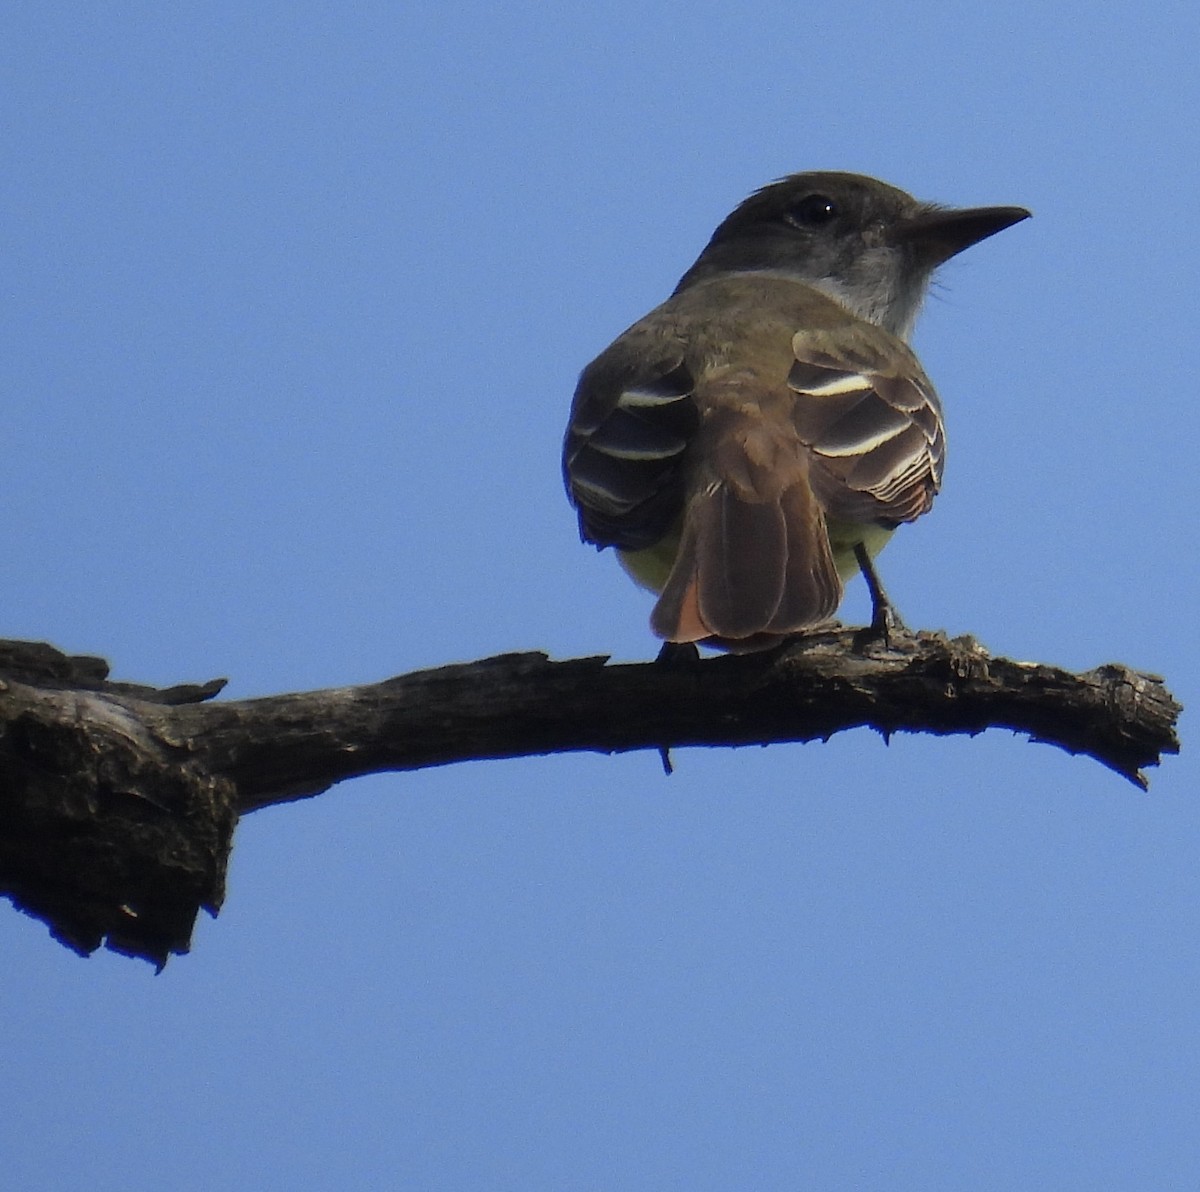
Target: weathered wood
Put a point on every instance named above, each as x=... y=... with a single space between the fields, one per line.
x=117 y=801
x=106 y=834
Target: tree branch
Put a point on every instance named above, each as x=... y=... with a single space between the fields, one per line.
x=120 y=800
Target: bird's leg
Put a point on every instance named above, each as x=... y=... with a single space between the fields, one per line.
x=675 y=654
x=885 y=621
x=678 y=654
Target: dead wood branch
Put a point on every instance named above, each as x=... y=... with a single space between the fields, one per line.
x=119 y=800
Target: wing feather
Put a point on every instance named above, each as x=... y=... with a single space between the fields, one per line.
x=873 y=421
x=623 y=455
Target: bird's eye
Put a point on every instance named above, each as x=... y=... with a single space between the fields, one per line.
x=813 y=211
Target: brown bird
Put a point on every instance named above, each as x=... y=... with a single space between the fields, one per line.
x=753 y=441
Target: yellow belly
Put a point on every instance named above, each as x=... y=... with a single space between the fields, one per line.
x=651 y=566
x=843 y=537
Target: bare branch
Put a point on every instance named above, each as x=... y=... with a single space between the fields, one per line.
x=120 y=799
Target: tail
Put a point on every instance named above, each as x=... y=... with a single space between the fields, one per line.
x=754 y=555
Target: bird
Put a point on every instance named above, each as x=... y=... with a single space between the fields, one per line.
x=752 y=443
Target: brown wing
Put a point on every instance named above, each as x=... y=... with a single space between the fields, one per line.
x=631 y=423
x=873 y=421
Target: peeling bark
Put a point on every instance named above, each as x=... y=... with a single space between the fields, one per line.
x=119 y=800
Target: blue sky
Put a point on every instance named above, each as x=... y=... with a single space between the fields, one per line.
x=293 y=302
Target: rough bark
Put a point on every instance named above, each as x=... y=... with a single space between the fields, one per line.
x=118 y=801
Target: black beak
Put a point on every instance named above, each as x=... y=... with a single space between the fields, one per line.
x=937 y=234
